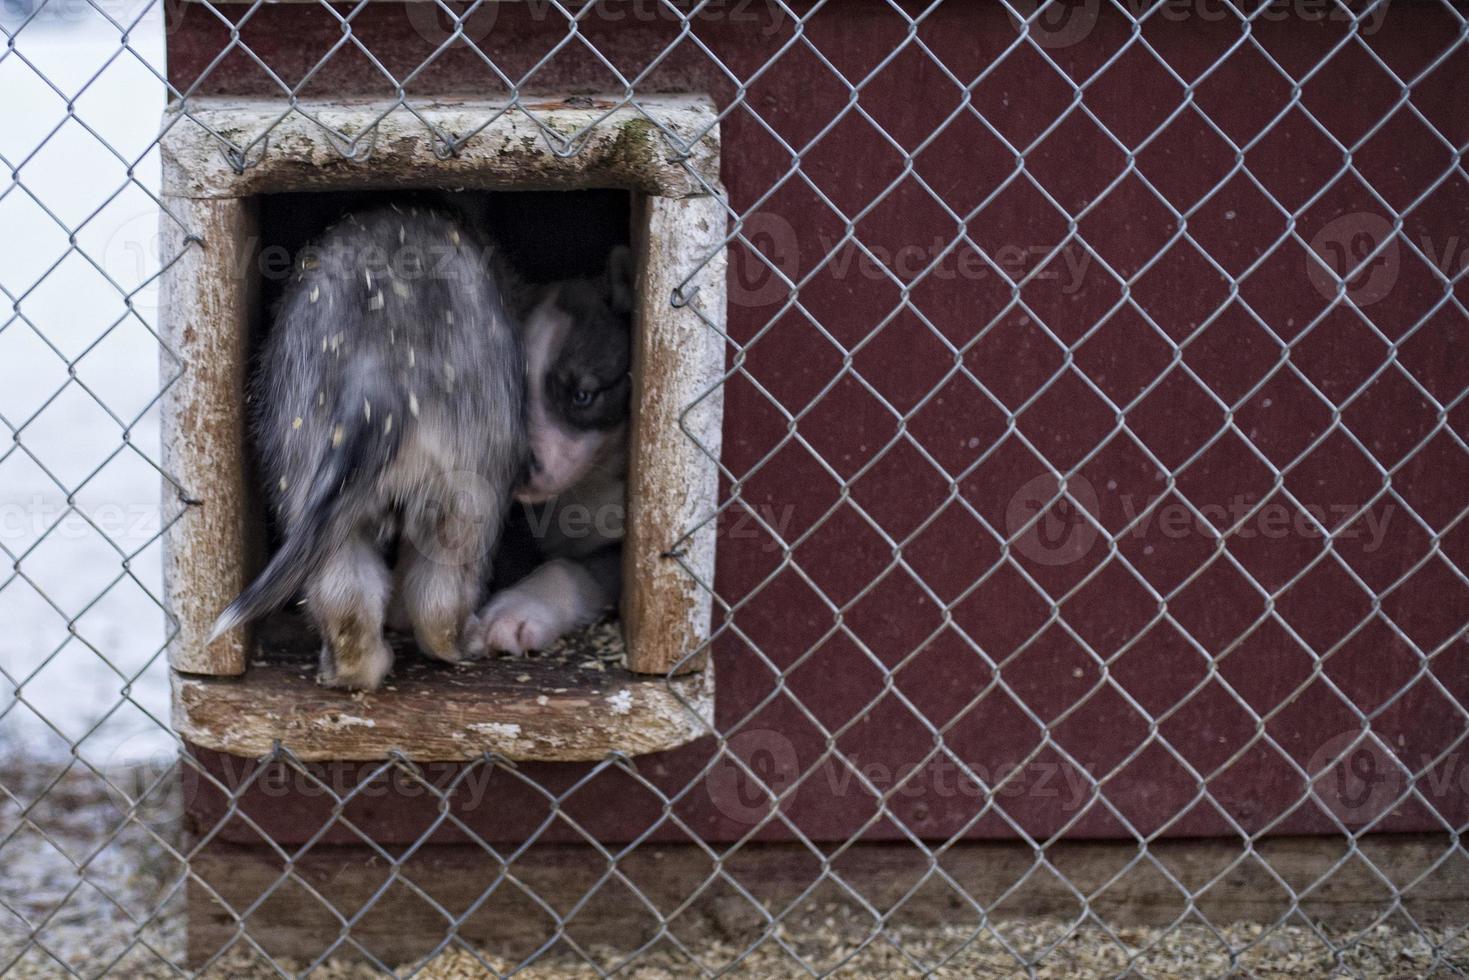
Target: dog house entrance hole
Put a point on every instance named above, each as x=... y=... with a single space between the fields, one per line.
x=635 y=683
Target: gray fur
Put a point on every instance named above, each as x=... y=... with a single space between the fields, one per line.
x=388 y=403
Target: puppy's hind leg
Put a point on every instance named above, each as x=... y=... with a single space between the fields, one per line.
x=347 y=598
x=440 y=569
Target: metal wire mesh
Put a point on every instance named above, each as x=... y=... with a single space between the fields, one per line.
x=1055 y=529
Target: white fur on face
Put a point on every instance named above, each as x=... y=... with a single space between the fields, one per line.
x=563 y=455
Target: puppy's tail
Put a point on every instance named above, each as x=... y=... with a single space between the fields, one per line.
x=362 y=447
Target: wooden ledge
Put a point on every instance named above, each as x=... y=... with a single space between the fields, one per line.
x=574 y=703
x=304 y=147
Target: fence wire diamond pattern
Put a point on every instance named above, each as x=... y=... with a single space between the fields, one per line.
x=1051 y=402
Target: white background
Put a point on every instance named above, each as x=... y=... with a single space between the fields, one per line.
x=68 y=694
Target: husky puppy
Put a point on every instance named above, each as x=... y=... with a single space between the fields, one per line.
x=576 y=336
x=388 y=411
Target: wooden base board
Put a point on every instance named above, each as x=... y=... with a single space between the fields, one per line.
x=575 y=702
x=400 y=923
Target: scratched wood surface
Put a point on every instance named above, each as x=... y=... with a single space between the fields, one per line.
x=576 y=702
x=205 y=326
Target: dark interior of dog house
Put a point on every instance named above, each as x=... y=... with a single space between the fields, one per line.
x=544 y=236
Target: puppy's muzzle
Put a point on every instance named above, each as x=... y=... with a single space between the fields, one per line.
x=531 y=490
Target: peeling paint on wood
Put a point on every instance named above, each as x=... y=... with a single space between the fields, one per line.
x=511 y=152
x=205 y=321
x=673 y=483
x=431 y=711
x=678 y=360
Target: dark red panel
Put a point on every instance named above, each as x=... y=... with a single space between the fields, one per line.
x=1256 y=659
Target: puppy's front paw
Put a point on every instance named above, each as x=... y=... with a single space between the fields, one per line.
x=514 y=622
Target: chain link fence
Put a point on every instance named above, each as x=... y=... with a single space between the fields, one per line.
x=1091 y=524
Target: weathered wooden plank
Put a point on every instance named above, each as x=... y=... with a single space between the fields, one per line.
x=673 y=479
x=297 y=149
x=208 y=300
x=575 y=702
x=401 y=926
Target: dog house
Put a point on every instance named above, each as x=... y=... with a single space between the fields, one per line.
x=636 y=686
x=1016 y=257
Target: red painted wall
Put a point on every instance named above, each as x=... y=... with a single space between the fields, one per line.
x=920 y=423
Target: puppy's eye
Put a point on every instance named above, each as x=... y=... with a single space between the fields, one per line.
x=582 y=397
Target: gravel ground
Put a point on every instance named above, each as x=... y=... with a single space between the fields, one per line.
x=840 y=947
x=91 y=867
x=87 y=865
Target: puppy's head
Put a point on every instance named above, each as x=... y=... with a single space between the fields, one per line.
x=577 y=356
